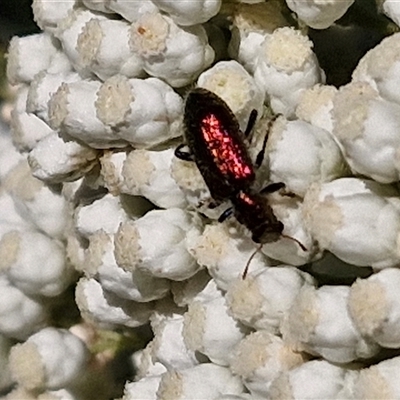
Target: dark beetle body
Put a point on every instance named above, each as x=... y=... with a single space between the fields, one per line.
x=217 y=145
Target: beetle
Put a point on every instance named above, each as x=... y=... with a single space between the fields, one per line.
x=216 y=144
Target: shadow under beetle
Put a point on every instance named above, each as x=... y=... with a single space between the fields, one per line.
x=216 y=145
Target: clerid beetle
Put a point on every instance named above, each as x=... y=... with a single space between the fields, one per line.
x=217 y=146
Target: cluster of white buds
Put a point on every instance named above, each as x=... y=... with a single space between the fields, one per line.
x=114 y=255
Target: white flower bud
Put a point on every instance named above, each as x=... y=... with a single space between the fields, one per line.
x=48 y=14
x=142 y=112
x=204 y=381
x=99 y=53
x=391 y=9
x=27 y=128
x=43 y=86
x=143 y=389
x=100 y=262
x=189 y=12
x=168 y=346
x=57 y=160
x=36 y=270
x=230 y=81
x=38 y=49
x=68 y=32
x=380 y=381
x=159 y=252
x=148 y=173
x=37 y=203
x=174 y=54
x=380 y=68
x=285 y=67
x=374 y=306
x=313 y=380
x=358 y=113
x=319 y=14
x=5 y=378
x=106 y=309
x=357 y=220
x=210 y=330
x=300 y=154
x=252 y=23
x=9 y=156
x=72 y=110
x=51 y=358
x=132 y=10
x=263 y=298
x=225 y=254
x=97 y=5
x=259 y=358
x=20 y=315
x=315 y=106
x=104 y=214
x=309 y=325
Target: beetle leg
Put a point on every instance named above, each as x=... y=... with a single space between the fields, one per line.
x=251 y=122
x=226 y=214
x=272 y=187
x=183 y=155
x=260 y=155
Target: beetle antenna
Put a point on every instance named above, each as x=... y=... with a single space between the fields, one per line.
x=246 y=268
x=304 y=248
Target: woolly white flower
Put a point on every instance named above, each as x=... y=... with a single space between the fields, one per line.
x=204 y=381
x=259 y=358
x=99 y=53
x=210 y=330
x=106 y=309
x=374 y=307
x=263 y=298
x=159 y=252
x=230 y=81
x=142 y=112
x=148 y=173
x=357 y=220
x=56 y=160
x=285 y=67
x=170 y=52
x=51 y=358
x=309 y=325
x=319 y=14
x=300 y=154
x=189 y=12
x=38 y=49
